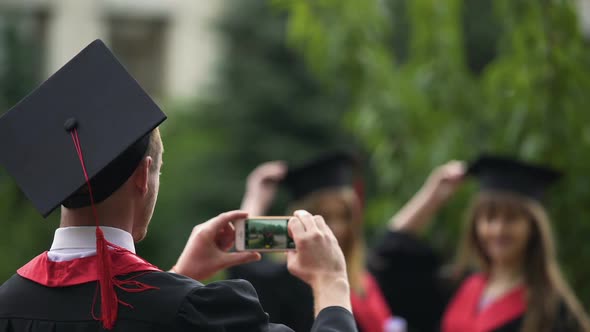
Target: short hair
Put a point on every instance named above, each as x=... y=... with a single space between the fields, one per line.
x=81 y=197
x=155 y=149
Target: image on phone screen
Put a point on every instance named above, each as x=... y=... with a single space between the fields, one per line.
x=268 y=234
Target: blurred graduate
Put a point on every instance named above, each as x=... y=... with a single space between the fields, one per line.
x=332 y=186
x=508 y=241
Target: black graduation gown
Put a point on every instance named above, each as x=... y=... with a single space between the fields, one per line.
x=287 y=299
x=408 y=271
x=290 y=300
x=180 y=304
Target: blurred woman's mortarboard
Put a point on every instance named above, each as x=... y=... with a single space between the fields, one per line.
x=334 y=170
x=496 y=173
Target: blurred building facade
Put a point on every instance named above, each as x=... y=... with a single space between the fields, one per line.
x=170 y=46
x=584 y=10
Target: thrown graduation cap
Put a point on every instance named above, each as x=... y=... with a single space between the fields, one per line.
x=112 y=115
x=497 y=173
x=334 y=170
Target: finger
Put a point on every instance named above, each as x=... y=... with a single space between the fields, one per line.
x=227 y=228
x=225 y=238
x=237 y=258
x=462 y=166
x=211 y=228
x=324 y=228
x=289 y=232
x=457 y=170
x=291 y=259
x=226 y=245
x=271 y=169
x=307 y=220
x=321 y=224
x=296 y=228
x=452 y=170
x=231 y=225
x=225 y=218
x=277 y=170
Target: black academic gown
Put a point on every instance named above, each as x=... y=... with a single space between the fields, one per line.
x=408 y=271
x=287 y=299
x=290 y=300
x=180 y=304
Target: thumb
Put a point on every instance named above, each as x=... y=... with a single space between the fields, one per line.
x=237 y=258
x=293 y=264
x=291 y=257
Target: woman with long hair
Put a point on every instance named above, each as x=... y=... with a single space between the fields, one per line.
x=508 y=240
x=325 y=186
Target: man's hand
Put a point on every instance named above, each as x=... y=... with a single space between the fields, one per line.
x=261 y=187
x=206 y=251
x=318 y=261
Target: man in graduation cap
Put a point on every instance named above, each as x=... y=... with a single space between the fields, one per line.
x=87 y=140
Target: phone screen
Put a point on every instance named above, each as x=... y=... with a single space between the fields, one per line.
x=268 y=233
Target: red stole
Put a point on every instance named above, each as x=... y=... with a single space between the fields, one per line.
x=370 y=311
x=463 y=314
x=83 y=270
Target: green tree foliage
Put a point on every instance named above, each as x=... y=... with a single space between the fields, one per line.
x=24 y=232
x=462 y=77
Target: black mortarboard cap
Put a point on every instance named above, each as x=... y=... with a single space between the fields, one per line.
x=496 y=173
x=333 y=170
x=112 y=114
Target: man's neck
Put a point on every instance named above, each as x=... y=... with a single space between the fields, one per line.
x=117 y=217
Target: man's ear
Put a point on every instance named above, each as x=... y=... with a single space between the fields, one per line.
x=141 y=176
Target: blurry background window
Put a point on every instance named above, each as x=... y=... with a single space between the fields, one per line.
x=139 y=45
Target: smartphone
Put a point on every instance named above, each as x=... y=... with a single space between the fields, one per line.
x=263 y=234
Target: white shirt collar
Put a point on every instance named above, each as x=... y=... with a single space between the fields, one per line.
x=84 y=237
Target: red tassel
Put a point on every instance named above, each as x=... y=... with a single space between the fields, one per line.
x=109 y=302
x=107 y=282
x=108 y=296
